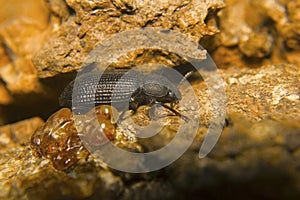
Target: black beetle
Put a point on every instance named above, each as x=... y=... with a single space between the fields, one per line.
x=120 y=88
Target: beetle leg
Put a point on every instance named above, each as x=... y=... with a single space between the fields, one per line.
x=132 y=106
x=152 y=110
x=121 y=116
x=185 y=118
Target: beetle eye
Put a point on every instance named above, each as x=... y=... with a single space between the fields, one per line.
x=172 y=95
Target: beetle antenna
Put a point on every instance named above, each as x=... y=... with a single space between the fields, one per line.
x=185 y=118
x=186 y=76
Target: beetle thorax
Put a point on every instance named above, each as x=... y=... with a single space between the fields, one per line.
x=155 y=90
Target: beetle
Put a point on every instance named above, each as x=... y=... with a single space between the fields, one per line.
x=122 y=88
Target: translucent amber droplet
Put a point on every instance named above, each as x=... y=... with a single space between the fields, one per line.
x=106 y=112
x=100 y=130
x=58 y=140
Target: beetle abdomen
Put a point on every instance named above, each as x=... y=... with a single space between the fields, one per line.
x=95 y=88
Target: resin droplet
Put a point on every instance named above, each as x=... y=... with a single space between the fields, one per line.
x=60 y=141
x=107 y=112
x=99 y=129
x=57 y=139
